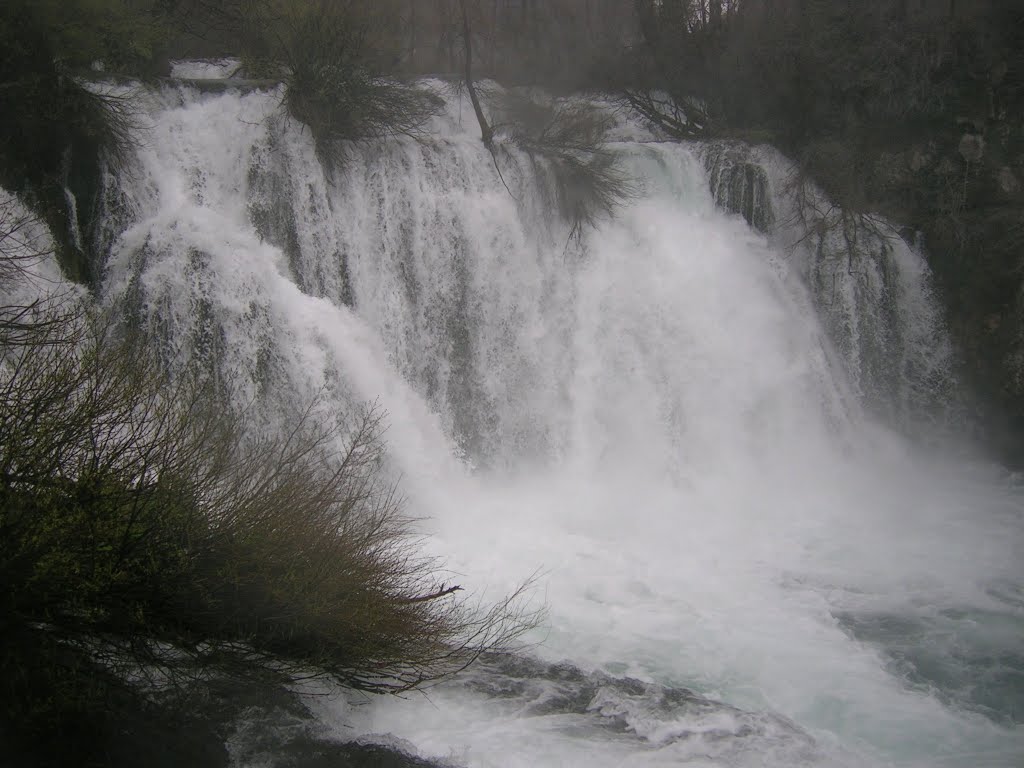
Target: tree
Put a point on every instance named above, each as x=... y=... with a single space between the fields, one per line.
x=486 y=132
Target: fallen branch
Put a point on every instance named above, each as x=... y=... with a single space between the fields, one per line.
x=435 y=595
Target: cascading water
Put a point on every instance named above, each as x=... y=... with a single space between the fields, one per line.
x=740 y=566
x=872 y=291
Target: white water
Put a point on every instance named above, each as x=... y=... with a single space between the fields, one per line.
x=655 y=418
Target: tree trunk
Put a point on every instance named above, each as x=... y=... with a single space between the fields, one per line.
x=486 y=132
x=412 y=36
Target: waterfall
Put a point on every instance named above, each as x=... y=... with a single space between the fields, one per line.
x=870 y=287
x=743 y=563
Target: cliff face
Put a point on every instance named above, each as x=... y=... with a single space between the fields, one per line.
x=960 y=184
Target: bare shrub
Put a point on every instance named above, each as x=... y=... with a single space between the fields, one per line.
x=154 y=523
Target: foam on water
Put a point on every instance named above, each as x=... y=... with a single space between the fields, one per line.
x=205 y=69
x=655 y=417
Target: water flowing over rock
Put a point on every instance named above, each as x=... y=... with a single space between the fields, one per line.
x=870 y=287
x=740 y=185
x=695 y=428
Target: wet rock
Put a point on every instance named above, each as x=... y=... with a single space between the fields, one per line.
x=270 y=726
x=625 y=708
x=739 y=184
